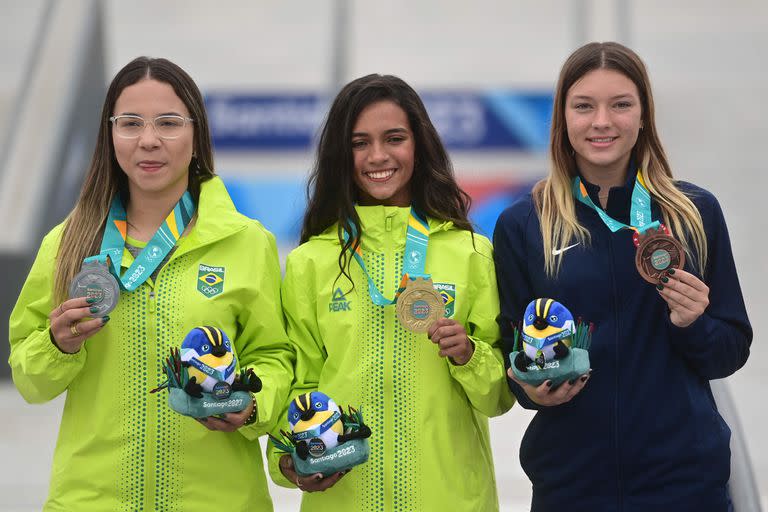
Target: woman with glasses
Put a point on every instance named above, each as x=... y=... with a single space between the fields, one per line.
x=152 y=216
x=647 y=260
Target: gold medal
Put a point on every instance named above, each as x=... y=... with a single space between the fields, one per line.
x=420 y=305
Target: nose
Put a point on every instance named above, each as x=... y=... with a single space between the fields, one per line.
x=377 y=153
x=602 y=118
x=148 y=137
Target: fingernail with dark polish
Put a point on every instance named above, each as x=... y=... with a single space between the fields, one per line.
x=105 y=319
x=584 y=378
x=665 y=279
x=94 y=309
x=659 y=286
x=90 y=300
x=572 y=382
x=549 y=383
x=671 y=271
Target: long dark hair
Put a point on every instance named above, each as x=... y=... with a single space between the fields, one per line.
x=83 y=228
x=331 y=190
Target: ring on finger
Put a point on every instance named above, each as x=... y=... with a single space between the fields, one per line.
x=73 y=330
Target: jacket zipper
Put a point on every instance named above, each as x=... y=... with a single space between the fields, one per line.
x=619 y=499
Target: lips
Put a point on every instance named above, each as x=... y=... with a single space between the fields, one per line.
x=380 y=175
x=601 y=141
x=150 y=165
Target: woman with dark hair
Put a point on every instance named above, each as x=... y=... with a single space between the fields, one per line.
x=381 y=180
x=647 y=259
x=183 y=257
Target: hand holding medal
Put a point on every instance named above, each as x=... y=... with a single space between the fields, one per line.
x=69 y=327
x=452 y=339
x=686 y=295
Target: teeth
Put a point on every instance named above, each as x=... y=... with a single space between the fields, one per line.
x=606 y=139
x=380 y=175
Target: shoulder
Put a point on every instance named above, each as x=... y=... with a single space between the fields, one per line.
x=519 y=212
x=517 y=219
x=700 y=196
x=49 y=246
x=318 y=251
x=704 y=200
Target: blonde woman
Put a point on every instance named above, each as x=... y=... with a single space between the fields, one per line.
x=643 y=432
x=183 y=258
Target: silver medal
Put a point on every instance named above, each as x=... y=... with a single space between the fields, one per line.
x=94 y=281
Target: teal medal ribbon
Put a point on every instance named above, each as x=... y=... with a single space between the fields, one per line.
x=115 y=232
x=414 y=258
x=640 y=219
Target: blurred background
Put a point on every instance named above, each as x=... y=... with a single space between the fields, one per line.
x=486 y=70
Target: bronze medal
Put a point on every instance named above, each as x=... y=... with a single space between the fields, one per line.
x=658 y=252
x=420 y=305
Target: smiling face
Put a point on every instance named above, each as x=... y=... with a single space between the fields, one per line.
x=383 y=150
x=603 y=119
x=155 y=167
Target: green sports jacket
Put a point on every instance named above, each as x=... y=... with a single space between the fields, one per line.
x=121 y=448
x=430 y=447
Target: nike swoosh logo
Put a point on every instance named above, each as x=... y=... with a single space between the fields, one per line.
x=556 y=252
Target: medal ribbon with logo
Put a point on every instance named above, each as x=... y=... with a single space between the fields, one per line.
x=418 y=303
x=657 y=251
x=163 y=241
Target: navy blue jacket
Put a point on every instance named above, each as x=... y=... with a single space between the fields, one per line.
x=644 y=434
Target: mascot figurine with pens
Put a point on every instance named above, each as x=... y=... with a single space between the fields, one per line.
x=202 y=378
x=323 y=438
x=554 y=347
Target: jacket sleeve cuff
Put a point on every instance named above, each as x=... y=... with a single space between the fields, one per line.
x=692 y=334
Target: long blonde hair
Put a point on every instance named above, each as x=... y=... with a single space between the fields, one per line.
x=84 y=226
x=553 y=199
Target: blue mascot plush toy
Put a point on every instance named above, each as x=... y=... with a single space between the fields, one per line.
x=202 y=378
x=554 y=347
x=323 y=438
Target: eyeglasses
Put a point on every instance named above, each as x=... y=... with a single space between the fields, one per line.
x=166 y=127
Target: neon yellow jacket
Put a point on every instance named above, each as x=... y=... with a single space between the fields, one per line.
x=430 y=446
x=122 y=448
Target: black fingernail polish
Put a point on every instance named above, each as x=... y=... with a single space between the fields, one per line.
x=671 y=271
x=90 y=300
x=665 y=279
x=549 y=383
x=105 y=319
x=572 y=382
x=94 y=309
x=584 y=378
x=659 y=286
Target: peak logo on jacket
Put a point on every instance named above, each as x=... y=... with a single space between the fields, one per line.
x=339 y=302
x=210 y=280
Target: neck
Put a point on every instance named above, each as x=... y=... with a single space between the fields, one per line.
x=146 y=212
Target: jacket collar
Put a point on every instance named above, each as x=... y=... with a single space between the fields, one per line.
x=216 y=217
x=382 y=225
x=619 y=198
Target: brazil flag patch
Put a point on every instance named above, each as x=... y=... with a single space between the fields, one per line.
x=448 y=292
x=210 y=280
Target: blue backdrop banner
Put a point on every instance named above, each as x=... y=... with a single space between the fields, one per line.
x=484 y=120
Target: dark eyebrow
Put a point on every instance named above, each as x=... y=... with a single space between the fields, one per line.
x=388 y=132
x=158 y=115
x=618 y=96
